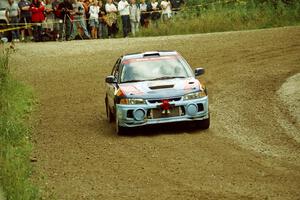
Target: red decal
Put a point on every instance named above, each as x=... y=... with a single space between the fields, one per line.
x=130 y=89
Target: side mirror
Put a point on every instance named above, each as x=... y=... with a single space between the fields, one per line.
x=199 y=71
x=110 y=79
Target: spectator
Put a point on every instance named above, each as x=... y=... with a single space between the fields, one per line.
x=48 y=25
x=155 y=14
x=176 y=4
x=57 y=26
x=123 y=8
x=102 y=31
x=66 y=10
x=166 y=10
x=79 y=21
x=135 y=14
x=94 y=18
x=25 y=18
x=37 y=9
x=111 y=20
x=12 y=14
x=144 y=8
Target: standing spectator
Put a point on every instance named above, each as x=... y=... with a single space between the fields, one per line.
x=94 y=18
x=123 y=8
x=86 y=5
x=48 y=25
x=144 y=8
x=66 y=10
x=12 y=14
x=166 y=10
x=135 y=14
x=175 y=5
x=25 y=18
x=111 y=20
x=37 y=8
x=79 y=20
x=102 y=21
x=155 y=13
x=57 y=19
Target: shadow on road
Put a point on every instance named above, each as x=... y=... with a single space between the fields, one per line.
x=164 y=129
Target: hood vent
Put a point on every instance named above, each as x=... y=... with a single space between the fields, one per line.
x=156 y=87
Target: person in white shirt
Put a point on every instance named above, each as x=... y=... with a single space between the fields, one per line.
x=135 y=16
x=166 y=10
x=111 y=19
x=155 y=13
x=94 y=19
x=123 y=8
x=144 y=14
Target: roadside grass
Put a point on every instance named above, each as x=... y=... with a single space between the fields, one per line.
x=16 y=102
x=227 y=17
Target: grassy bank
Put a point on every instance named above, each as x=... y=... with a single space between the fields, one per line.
x=16 y=102
x=218 y=17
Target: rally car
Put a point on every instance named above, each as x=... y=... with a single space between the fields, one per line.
x=153 y=88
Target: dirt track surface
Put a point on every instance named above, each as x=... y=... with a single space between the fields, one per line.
x=249 y=152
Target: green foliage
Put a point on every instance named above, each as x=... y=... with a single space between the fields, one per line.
x=217 y=16
x=15 y=102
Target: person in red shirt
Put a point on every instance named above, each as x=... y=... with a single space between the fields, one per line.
x=37 y=9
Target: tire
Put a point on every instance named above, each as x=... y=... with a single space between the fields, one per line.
x=204 y=124
x=109 y=114
x=119 y=129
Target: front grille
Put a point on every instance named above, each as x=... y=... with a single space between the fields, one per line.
x=160 y=100
x=157 y=113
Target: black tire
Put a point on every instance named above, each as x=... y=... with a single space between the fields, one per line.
x=120 y=130
x=109 y=115
x=204 y=124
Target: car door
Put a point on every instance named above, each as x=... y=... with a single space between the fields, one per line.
x=113 y=87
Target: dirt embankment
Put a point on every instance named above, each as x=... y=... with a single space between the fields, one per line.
x=250 y=151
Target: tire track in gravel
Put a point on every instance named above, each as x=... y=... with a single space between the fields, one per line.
x=247 y=153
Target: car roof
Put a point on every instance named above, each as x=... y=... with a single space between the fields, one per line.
x=149 y=54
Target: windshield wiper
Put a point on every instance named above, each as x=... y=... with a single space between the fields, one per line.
x=166 y=77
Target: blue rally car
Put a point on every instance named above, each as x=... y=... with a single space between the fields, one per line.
x=153 y=88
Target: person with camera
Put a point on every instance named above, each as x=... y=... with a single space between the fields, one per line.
x=79 y=24
x=65 y=10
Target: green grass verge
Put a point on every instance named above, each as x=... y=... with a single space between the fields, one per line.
x=227 y=17
x=16 y=101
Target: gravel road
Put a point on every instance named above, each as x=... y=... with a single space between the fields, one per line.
x=251 y=150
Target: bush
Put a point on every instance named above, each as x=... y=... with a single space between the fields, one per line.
x=227 y=16
x=15 y=102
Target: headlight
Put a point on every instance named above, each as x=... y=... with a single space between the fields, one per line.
x=132 y=101
x=194 y=95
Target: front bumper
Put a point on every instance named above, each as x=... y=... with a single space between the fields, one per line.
x=190 y=110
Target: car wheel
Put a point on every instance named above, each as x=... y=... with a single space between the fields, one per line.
x=109 y=114
x=204 y=124
x=119 y=129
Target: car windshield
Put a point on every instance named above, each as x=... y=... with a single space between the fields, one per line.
x=154 y=68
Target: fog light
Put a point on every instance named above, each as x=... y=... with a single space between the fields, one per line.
x=192 y=109
x=139 y=114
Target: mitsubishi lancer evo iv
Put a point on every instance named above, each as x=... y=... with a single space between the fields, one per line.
x=154 y=88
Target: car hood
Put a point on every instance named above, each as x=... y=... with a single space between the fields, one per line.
x=161 y=89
